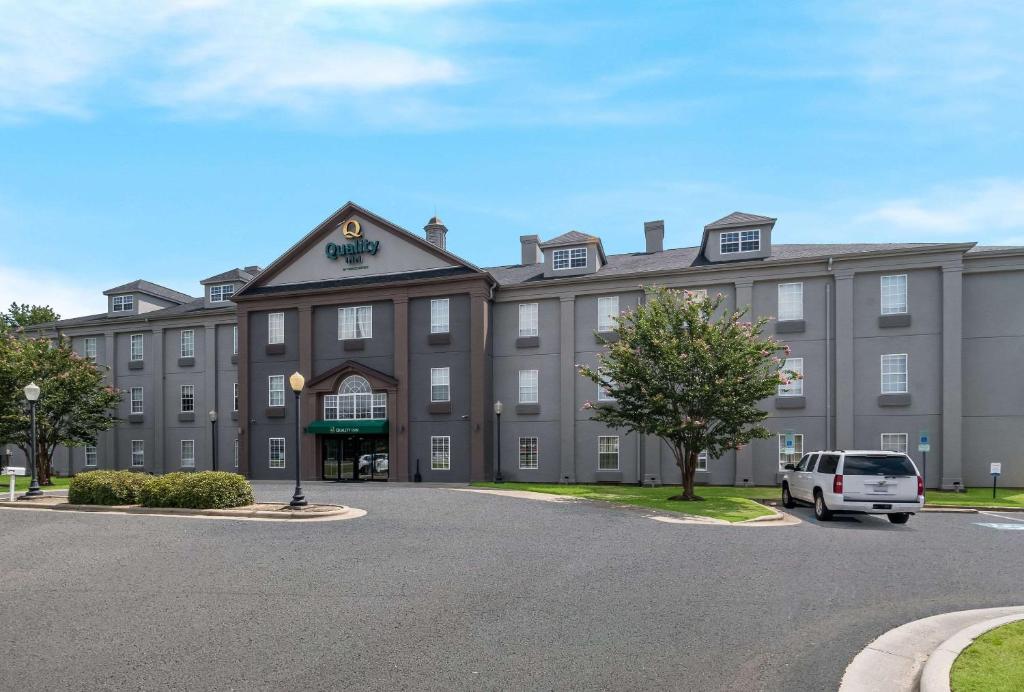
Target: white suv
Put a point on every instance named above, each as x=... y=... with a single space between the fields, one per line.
x=855 y=481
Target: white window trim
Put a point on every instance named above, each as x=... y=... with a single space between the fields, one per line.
x=447 y=384
x=234 y=453
x=702 y=461
x=534 y=328
x=439 y=327
x=122 y=299
x=355 y=322
x=609 y=325
x=536 y=453
x=191 y=462
x=799 y=315
x=142 y=453
x=795 y=387
x=602 y=393
x=218 y=289
x=234 y=339
x=535 y=386
x=906 y=372
x=192 y=347
x=444 y=464
x=271 y=389
x=132 y=400
x=569 y=258
x=95 y=456
x=739 y=241
x=283 y=461
x=881 y=294
x=905 y=444
x=618 y=452
x=181 y=398
x=131 y=348
x=234 y=399
x=90 y=340
x=798 y=449
x=271 y=318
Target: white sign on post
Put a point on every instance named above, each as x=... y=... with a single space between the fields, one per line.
x=995 y=469
x=923 y=443
x=11 y=472
x=790 y=448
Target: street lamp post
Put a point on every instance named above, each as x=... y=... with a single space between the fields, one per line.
x=497 y=412
x=213 y=430
x=32 y=395
x=297 y=382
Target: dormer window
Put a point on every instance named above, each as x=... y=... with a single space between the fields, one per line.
x=569 y=258
x=221 y=292
x=740 y=241
x=124 y=303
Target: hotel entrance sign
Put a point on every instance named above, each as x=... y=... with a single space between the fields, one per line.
x=353 y=251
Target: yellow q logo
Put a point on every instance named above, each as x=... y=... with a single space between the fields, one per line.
x=351 y=229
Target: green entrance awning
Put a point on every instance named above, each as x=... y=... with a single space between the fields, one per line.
x=347 y=427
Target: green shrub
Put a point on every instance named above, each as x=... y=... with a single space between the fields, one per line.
x=107 y=488
x=203 y=490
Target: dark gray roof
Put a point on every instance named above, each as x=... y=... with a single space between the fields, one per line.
x=739 y=218
x=571 y=238
x=230 y=275
x=442 y=272
x=148 y=287
x=688 y=257
x=195 y=306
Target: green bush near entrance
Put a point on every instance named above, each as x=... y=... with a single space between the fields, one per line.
x=203 y=490
x=107 y=488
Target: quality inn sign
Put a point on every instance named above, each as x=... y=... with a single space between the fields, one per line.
x=352 y=251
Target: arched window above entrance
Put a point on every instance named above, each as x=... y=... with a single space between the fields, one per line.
x=356 y=400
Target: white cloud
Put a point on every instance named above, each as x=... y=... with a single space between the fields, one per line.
x=987 y=206
x=68 y=296
x=214 y=55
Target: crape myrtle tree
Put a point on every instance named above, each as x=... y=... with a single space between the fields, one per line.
x=24 y=315
x=74 y=406
x=690 y=374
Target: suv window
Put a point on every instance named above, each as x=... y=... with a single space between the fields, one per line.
x=863 y=465
x=803 y=462
x=828 y=464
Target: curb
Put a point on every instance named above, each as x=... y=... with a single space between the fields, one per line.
x=936 y=672
x=895 y=660
x=972 y=508
x=340 y=512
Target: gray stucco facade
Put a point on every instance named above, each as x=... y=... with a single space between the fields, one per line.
x=945 y=319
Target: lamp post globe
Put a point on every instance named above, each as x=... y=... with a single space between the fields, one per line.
x=213 y=439
x=498 y=408
x=32 y=392
x=297 y=382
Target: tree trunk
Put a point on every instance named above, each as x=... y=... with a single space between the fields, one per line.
x=43 y=465
x=687 y=463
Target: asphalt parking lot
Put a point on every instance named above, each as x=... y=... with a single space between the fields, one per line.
x=440 y=589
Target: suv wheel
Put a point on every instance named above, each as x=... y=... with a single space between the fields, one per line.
x=821 y=512
x=900 y=518
x=787 y=499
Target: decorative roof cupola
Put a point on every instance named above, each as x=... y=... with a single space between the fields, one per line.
x=142 y=296
x=436 y=232
x=220 y=288
x=573 y=254
x=738 y=236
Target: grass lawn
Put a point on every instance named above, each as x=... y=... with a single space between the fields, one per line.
x=993 y=663
x=728 y=503
x=21 y=483
x=977 y=497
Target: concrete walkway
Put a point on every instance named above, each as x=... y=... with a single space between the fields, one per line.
x=895 y=660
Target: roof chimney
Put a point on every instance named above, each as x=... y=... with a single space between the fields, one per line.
x=531 y=249
x=436 y=231
x=654 y=231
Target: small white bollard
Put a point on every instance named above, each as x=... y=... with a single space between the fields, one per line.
x=11 y=472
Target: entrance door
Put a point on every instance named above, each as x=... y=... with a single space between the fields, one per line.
x=331 y=458
x=355 y=458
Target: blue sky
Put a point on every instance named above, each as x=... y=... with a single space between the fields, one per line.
x=173 y=140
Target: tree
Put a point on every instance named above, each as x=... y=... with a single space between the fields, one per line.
x=693 y=379
x=74 y=405
x=25 y=315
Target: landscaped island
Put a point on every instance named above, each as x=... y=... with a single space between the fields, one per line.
x=202 y=490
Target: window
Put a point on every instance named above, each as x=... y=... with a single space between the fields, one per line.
x=798 y=449
x=356 y=323
x=275 y=389
x=235 y=453
x=829 y=463
x=89 y=347
x=123 y=303
x=439 y=316
x=894 y=373
x=355 y=400
x=528 y=387
x=275 y=328
x=188 y=398
x=740 y=241
x=188 y=454
x=793 y=369
x=90 y=455
x=528 y=319
x=234 y=404
x=135 y=397
x=702 y=461
x=138 y=453
x=894 y=294
x=608 y=453
x=440 y=385
x=276 y=452
x=607 y=311
x=188 y=343
x=221 y=292
x=791 y=302
x=603 y=394
x=528 y=453
x=696 y=293
x=440 y=453
x=234 y=340
x=571 y=258
x=871 y=465
x=894 y=442
x=135 y=347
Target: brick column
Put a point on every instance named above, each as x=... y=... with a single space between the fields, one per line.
x=244 y=467
x=952 y=376
x=210 y=386
x=567 y=411
x=400 y=456
x=307 y=412
x=844 y=360
x=159 y=424
x=745 y=454
x=106 y=453
x=479 y=403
